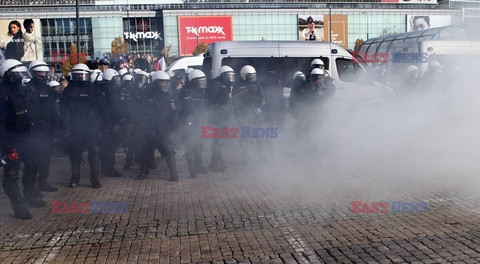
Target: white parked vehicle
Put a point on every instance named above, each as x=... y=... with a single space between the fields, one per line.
x=180 y=66
x=287 y=57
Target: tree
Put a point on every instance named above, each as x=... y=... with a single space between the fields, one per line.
x=358 y=43
x=200 y=48
x=72 y=59
x=119 y=47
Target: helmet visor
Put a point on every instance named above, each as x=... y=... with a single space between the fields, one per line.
x=228 y=77
x=80 y=76
x=251 y=77
x=162 y=85
x=19 y=74
x=140 y=79
x=200 y=83
x=317 y=78
x=320 y=66
x=116 y=80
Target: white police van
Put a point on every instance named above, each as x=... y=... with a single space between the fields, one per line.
x=287 y=57
x=180 y=66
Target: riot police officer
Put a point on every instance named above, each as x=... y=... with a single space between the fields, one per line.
x=274 y=109
x=248 y=106
x=318 y=89
x=140 y=83
x=193 y=116
x=131 y=100
x=59 y=126
x=157 y=120
x=82 y=108
x=221 y=108
x=109 y=86
x=317 y=63
x=298 y=97
x=40 y=102
x=15 y=125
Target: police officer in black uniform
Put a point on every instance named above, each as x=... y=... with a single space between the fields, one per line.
x=83 y=108
x=40 y=103
x=248 y=102
x=127 y=113
x=193 y=116
x=15 y=125
x=221 y=109
x=274 y=108
x=158 y=117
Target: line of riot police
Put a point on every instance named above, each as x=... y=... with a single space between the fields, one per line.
x=139 y=111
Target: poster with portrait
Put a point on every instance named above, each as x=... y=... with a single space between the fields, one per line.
x=310 y=27
x=21 y=39
x=415 y=23
x=339 y=31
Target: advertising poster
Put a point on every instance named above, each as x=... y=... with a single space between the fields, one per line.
x=310 y=27
x=193 y=30
x=415 y=23
x=339 y=31
x=21 y=39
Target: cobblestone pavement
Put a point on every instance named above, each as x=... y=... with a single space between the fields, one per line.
x=266 y=213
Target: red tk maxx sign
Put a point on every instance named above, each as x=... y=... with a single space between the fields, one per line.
x=193 y=30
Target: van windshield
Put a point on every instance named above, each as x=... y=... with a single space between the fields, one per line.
x=285 y=66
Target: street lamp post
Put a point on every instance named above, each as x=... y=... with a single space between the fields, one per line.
x=78 y=29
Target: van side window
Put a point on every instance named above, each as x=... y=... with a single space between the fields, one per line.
x=284 y=66
x=346 y=71
x=207 y=66
x=349 y=71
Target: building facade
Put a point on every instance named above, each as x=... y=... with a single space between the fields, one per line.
x=182 y=26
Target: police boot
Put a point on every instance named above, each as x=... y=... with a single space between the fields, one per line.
x=13 y=192
x=30 y=195
x=94 y=162
x=75 y=173
x=113 y=173
x=190 y=164
x=198 y=162
x=172 y=167
x=43 y=172
x=152 y=164
x=43 y=184
x=143 y=171
x=128 y=163
x=217 y=165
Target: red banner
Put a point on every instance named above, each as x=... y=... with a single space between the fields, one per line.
x=194 y=30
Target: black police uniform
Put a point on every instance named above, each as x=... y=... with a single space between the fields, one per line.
x=192 y=117
x=110 y=130
x=248 y=101
x=158 y=116
x=220 y=111
x=39 y=143
x=83 y=108
x=15 y=125
x=274 y=108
